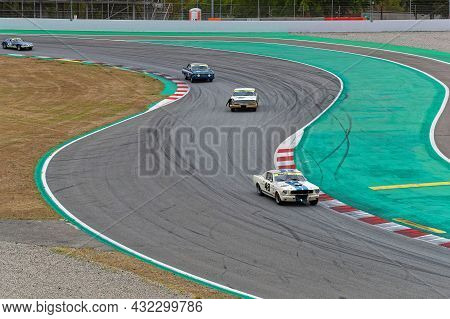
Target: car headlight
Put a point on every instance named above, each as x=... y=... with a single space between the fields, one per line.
x=285 y=192
x=317 y=191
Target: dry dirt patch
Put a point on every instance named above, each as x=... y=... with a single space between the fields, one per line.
x=116 y=260
x=46 y=102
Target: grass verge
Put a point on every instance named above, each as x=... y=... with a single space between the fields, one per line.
x=46 y=102
x=116 y=260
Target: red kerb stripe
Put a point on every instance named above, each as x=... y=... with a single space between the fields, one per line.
x=285 y=150
x=373 y=220
x=287 y=166
x=285 y=158
x=325 y=197
x=344 y=209
x=445 y=245
x=413 y=233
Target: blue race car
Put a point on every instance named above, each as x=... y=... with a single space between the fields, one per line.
x=198 y=72
x=17 y=43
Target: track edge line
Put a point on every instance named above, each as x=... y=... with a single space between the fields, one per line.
x=41 y=183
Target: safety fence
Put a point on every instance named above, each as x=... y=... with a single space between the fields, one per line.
x=225 y=9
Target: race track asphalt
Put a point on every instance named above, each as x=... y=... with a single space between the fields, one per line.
x=216 y=226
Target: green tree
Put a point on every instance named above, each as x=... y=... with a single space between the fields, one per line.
x=248 y=8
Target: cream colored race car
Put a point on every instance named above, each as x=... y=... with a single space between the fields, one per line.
x=243 y=99
x=287 y=185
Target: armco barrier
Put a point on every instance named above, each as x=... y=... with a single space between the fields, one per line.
x=223 y=26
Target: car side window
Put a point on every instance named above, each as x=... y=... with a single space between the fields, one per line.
x=269 y=177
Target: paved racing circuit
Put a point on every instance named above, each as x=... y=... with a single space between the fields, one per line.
x=217 y=227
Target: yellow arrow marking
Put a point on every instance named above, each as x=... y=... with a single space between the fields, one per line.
x=380 y=188
x=410 y=223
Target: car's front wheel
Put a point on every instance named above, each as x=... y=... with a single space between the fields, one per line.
x=278 y=199
x=314 y=202
x=192 y=79
x=4 y=46
x=259 y=190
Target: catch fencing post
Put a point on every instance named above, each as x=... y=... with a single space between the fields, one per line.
x=371 y=10
x=294 y=9
x=332 y=8
x=258 y=11
x=410 y=9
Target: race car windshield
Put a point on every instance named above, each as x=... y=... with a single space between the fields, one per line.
x=200 y=68
x=290 y=177
x=243 y=93
x=17 y=39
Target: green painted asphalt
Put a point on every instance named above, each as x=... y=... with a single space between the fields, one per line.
x=377 y=133
x=377 y=150
x=442 y=56
x=169 y=88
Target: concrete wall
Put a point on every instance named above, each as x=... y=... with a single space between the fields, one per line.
x=225 y=26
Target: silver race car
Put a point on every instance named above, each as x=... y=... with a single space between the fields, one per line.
x=17 y=43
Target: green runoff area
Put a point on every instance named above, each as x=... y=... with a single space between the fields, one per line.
x=375 y=134
x=443 y=56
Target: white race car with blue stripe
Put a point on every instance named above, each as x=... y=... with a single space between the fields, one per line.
x=287 y=185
